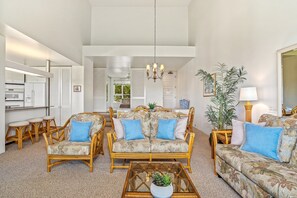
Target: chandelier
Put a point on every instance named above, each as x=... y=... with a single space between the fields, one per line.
x=157 y=72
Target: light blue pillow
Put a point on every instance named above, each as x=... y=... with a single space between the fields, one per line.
x=166 y=129
x=132 y=129
x=80 y=131
x=262 y=140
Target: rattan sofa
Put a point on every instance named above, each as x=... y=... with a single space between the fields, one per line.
x=150 y=148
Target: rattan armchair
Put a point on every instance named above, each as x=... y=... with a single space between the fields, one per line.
x=60 y=150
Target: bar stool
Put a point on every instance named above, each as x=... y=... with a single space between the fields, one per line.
x=48 y=120
x=36 y=124
x=20 y=130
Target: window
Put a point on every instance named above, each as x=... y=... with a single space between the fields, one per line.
x=121 y=91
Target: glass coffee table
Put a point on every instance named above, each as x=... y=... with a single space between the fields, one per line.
x=139 y=179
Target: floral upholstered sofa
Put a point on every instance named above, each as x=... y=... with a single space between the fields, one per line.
x=253 y=175
x=149 y=148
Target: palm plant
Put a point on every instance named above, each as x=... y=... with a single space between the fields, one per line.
x=221 y=111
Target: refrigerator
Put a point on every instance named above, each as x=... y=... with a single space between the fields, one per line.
x=35 y=94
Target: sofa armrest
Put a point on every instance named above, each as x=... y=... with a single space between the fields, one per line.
x=111 y=138
x=189 y=138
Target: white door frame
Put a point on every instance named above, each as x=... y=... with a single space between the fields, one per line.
x=280 y=77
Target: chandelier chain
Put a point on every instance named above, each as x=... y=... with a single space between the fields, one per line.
x=155 y=30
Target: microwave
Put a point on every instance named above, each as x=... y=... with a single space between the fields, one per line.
x=14 y=96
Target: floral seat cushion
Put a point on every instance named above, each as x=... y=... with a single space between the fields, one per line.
x=236 y=157
x=69 y=148
x=132 y=146
x=278 y=179
x=168 y=146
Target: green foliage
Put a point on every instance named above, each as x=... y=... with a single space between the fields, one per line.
x=161 y=180
x=152 y=105
x=221 y=111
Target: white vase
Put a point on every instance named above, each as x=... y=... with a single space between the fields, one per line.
x=161 y=192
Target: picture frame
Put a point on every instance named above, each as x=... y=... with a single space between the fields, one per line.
x=76 y=88
x=209 y=87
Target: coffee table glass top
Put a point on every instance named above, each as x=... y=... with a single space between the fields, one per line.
x=139 y=179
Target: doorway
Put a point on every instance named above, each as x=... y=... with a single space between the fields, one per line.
x=287 y=80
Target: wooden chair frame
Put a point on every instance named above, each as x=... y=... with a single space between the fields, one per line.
x=111 y=137
x=191 y=115
x=95 y=150
x=215 y=142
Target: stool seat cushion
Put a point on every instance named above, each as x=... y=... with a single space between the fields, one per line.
x=35 y=120
x=49 y=118
x=19 y=124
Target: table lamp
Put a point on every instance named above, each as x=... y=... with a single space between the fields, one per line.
x=248 y=94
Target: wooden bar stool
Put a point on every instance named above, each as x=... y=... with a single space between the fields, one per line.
x=36 y=126
x=48 y=120
x=21 y=130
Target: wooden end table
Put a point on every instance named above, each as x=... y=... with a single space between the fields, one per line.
x=139 y=179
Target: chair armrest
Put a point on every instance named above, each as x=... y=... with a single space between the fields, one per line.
x=190 y=137
x=111 y=138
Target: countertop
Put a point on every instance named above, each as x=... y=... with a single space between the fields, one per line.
x=24 y=108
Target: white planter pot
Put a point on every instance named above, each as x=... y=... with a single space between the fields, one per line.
x=161 y=192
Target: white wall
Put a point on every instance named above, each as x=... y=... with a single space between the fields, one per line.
x=99 y=90
x=77 y=97
x=154 y=91
x=290 y=81
x=88 y=84
x=63 y=26
x=134 y=25
x=2 y=94
x=238 y=32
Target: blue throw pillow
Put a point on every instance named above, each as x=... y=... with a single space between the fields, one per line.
x=262 y=140
x=132 y=129
x=166 y=129
x=80 y=131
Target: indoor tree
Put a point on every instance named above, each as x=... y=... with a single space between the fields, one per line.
x=221 y=109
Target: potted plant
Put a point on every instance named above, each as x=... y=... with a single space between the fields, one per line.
x=161 y=186
x=221 y=109
x=152 y=106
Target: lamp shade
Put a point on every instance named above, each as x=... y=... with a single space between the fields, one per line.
x=248 y=94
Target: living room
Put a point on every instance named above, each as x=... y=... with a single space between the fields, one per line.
x=89 y=55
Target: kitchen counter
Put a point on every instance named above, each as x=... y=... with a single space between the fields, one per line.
x=24 y=108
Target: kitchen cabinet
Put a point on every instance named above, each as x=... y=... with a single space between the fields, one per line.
x=60 y=94
x=13 y=77
x=33 y=79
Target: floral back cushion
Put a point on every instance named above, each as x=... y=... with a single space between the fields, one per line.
x=289 y=136
x=140 y=115
x=96 y=119
x=155 y=116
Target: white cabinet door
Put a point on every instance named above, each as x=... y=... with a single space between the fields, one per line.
x=169 y=93
x=60 y=86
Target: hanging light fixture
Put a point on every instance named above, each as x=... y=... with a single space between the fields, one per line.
x=157 y=72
